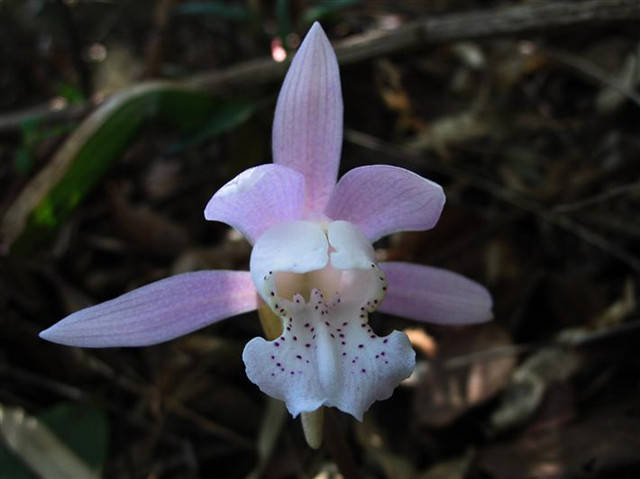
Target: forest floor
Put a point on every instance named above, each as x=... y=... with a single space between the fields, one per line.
x=526 y=112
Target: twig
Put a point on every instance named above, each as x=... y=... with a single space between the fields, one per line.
x=231 y=437
x=499 y=192
x=338 y=447
x=594 y=72
x=601 y=198
x=513 y=20
x=75 y=47
x=586 y=338
x=47 y=112
x=155 y=46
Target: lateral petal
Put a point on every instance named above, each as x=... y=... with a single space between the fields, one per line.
x=158 y=311
x=434 y=295
x=383 y=199
x=257 y=199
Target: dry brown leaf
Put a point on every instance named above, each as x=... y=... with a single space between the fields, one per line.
x=447 y=390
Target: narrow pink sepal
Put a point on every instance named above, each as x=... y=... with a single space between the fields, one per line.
x=434 y=295
x=257 y=199
x=159 y=311
x=307 y=126
x=383 y=199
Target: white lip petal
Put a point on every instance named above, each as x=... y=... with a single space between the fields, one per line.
x=327 y=353
x=352 y=248
x=296 y=247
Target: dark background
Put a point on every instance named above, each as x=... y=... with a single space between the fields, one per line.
x=526 y=114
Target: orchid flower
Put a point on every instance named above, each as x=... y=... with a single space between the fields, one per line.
x=312 y=262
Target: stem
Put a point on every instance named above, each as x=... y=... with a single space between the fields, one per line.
x=312 y=426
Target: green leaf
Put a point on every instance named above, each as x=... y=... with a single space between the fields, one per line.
x=283 y=16
x=22 y=161
x=92 y=148
x=13 y=468
x=225 y=116
x=71 y=93
x=68 y=437
x=215 y=9
x=327 y=8
x=83 y=427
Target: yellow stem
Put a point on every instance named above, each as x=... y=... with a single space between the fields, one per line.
x=312 y=423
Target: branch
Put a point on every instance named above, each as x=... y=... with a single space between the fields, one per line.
x=514 y=20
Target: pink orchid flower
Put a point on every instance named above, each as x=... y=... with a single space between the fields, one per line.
x=312 y=262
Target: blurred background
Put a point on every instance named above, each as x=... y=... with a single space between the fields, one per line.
x=118 y=121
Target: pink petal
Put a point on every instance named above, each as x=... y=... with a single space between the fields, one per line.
x=383 y=199
x=257 y=199
x=307 y=126
x=159 y=311
x=434 y=295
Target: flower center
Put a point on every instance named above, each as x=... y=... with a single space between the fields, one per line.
x=322 y=282
x=297 y=263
